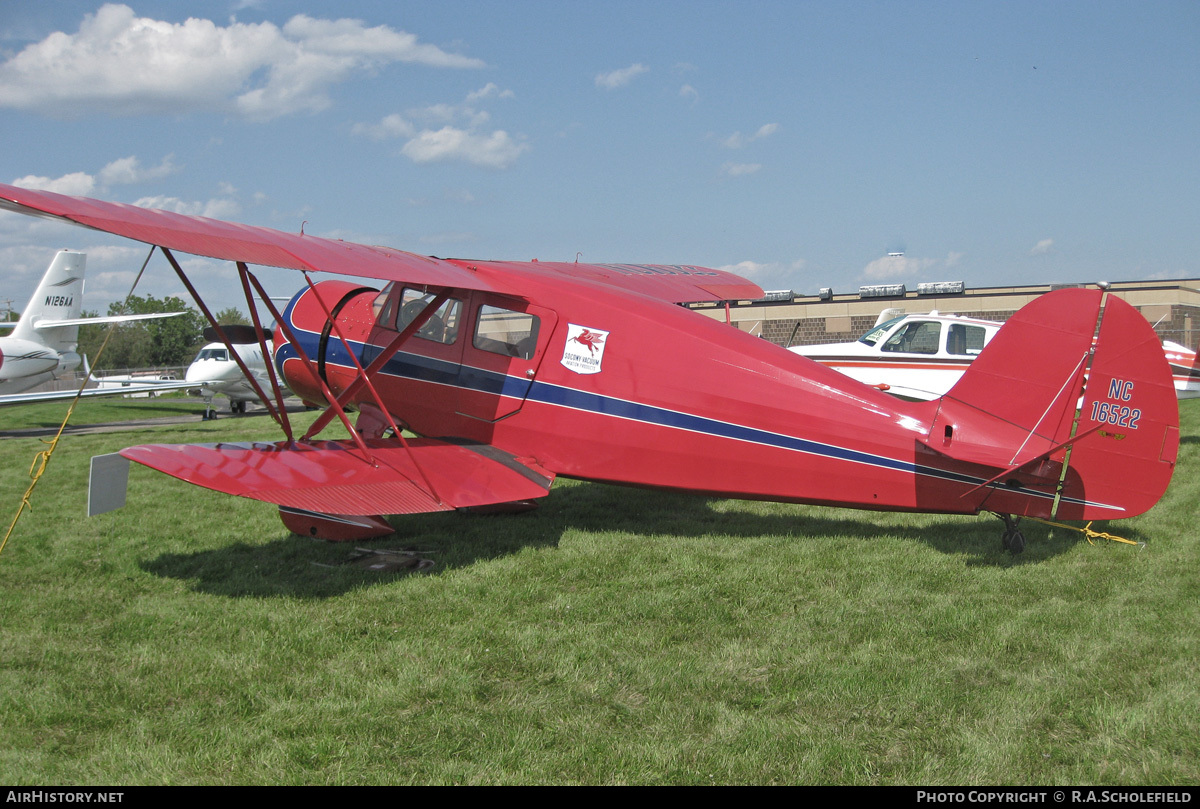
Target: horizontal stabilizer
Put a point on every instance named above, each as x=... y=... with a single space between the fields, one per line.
x=42 y=324
x=333 y=477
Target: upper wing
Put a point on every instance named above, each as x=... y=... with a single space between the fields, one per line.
x=258 y=245
x=677 y=283
x=233 y=242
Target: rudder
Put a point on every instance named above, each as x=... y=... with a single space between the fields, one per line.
x=1045 y=394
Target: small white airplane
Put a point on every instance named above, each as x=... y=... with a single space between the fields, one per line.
x=214 y=371
x=44 y=340
x=920 y=357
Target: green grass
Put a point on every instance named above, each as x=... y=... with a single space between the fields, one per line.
x=613 y=636
x=101 y=411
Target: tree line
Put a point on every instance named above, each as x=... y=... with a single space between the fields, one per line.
x=159 y=343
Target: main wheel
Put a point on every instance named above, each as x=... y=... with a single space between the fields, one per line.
x=1013 y=541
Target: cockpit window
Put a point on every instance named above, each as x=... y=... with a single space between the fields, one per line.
x=442 y=325
x=876 y=334
x=221 y=354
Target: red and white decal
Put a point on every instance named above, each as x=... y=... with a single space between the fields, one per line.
x=584 y=350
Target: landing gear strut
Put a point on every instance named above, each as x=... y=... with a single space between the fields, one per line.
x=1012 y=539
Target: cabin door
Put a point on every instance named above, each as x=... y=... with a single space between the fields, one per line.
x=501 y=355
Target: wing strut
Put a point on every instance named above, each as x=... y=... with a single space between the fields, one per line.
x=386 y=354
x=276 y=387
x=363 y=377
x=282 y=421
x=312 y=368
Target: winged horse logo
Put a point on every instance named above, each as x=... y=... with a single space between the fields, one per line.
x=590 y=339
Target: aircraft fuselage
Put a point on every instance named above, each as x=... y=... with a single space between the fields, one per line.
x=622 y=388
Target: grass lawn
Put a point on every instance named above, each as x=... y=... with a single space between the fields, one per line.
x=613 y=636
x=102 y=410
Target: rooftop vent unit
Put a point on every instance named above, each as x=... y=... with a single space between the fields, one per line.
x=941 y=288
x=882 y=291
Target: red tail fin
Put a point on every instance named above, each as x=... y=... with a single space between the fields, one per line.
x=1017 y=409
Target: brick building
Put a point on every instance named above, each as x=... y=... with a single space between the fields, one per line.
x=1173 y=306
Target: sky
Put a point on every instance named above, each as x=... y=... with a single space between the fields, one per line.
x=796 y=143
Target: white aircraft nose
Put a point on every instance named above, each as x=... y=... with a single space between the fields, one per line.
x=212 y=371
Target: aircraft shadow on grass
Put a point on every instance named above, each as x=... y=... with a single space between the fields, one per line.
x=299 y=567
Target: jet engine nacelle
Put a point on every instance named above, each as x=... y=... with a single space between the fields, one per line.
x=22 y=358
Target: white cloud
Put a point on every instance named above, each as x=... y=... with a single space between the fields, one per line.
x=619 y=78
x=769 y=274
x=886 y=267
x=749 y=269
x=127 y=65
x=216 y=208
x=737 y=140
x=1042 y=248
x=449 y=113
x=489 y=90
x=689 y=92
x=740 y=169
x=494 y=151
x=392 y=126
x=452 y=142
x=124 y=171
x=129 y=170
x=76 y=183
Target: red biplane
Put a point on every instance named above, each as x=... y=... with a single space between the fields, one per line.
x=514 y=373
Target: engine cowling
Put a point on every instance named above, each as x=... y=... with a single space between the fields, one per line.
x=311 y=320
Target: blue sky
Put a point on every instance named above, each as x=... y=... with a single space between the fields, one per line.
x=795 y=142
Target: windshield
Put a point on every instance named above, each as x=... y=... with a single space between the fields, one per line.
x=212 y=354
x=876 y=334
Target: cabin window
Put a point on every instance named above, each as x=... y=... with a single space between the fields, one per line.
x=965 y=340
x=213 y=354
x=442 y=325
x=918 y=337
x=503 y=331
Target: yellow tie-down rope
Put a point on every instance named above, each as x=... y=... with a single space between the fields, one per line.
x=41 y=460
x=1088 y=532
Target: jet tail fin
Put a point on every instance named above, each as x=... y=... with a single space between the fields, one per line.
x=59 y=296
x=1072 y=404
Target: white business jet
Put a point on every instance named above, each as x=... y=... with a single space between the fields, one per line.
x=214 y=371
x=43 y=342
